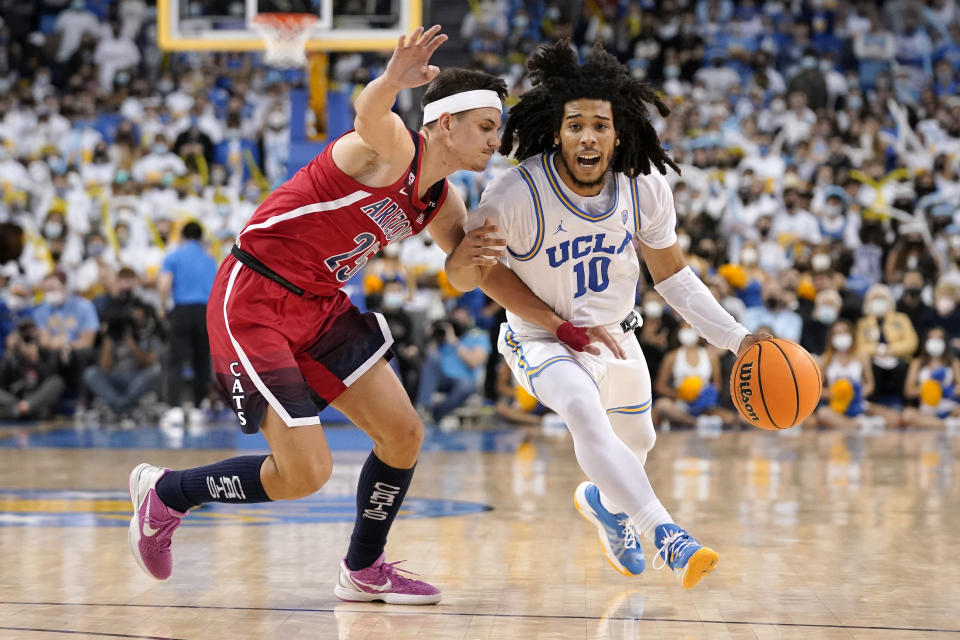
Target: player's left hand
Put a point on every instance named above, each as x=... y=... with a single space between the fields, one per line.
x=751 y=339
x=582 y=339
x=480 y=247
x=408 y=67
x=601 y=335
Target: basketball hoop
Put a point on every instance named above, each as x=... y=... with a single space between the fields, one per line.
x=286 y=36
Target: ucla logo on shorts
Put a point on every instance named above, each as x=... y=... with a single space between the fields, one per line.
x=50 y=508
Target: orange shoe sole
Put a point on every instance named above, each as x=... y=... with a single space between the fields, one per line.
x=699 y=565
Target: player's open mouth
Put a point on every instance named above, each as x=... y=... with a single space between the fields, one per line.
x=588 y=160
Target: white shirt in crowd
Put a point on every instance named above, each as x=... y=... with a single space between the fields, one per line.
x=72 y=25
x=799 y=225
x=114 y=53
x=153 y=166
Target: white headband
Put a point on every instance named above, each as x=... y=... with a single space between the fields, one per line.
x=463 y=101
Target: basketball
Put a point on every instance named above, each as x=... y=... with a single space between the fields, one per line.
x=775 y=384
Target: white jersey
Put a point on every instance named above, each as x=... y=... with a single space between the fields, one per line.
x=683 y=369
x=852 y=371
x=577 y=253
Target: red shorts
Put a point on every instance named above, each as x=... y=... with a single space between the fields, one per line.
x=297 y=354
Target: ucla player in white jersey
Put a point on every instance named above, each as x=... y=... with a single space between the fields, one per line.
x=572 y=214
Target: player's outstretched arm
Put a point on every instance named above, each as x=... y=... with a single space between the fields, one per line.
x=686 y=294
x=409 y=67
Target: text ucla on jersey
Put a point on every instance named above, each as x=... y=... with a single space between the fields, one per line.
x=577 y=254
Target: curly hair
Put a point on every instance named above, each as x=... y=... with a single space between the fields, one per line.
x=557 y=78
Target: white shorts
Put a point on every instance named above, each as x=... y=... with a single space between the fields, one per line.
x=624 y=385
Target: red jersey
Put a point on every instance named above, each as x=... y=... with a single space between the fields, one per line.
x=322 y=226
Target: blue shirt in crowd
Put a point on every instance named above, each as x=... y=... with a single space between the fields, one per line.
x=76 y=314
x=193 y=272
x=452 y=365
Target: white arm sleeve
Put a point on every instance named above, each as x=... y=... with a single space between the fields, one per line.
x=687 y=294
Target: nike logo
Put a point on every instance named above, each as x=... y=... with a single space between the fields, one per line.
x=147 y=529
x=375 y=587
x=403 y=190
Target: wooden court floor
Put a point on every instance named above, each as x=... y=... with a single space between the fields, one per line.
x=823 y=535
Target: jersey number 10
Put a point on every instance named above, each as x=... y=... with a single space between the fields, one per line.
x=598 y=278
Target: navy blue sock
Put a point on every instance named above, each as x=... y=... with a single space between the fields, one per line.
x=380 y=493
x=235 y=480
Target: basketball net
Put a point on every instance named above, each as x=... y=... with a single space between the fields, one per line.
x=285 y=35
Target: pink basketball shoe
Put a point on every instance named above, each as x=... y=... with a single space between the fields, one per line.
x=382 y=581
x=153 y=523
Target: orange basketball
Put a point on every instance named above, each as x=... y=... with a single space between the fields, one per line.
x=775 y=384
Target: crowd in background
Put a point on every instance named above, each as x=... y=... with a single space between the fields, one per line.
x=819 y=198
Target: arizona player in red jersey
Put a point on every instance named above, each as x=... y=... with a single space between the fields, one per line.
x=286 y=341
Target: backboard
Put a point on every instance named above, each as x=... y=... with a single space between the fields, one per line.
x=342 y=25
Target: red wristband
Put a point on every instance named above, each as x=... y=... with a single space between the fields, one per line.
x=573 y=336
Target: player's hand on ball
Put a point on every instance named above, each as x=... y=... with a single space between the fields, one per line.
x=480 y=247
x=751 y=339
x=408 y=66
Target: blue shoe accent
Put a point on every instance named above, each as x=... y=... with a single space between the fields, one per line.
x=679 y=550
x=617 y=533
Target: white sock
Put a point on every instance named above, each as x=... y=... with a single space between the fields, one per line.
x=616 y=470
x=650 y=517
x=608 y=504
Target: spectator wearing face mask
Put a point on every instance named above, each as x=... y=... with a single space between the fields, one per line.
x=932 y=382
x=408 y=355
x=794 y=223
x=67 y=326
x=946 y=297
x=771 y=256
x=826 y=311
x=823 y=271
x=29 y=384
x=783 y=321
x=911 y=303
x=910 y=253
x=96 y=270
x=160 y=161
x=837 y=223
x=655 y=331
x=276 y=145
x=887 y=337
x=452 y=366
x=847 y=382
x=116 y=55
x=747 y=283
x=101 y=168
x=688 y=384
x=127 y=365
x=232 y=152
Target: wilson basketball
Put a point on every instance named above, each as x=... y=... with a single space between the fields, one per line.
x=775 y=384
